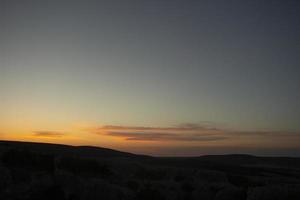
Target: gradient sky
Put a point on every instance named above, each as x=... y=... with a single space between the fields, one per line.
x=155 y=77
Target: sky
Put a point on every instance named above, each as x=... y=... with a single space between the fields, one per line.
x=165 y=78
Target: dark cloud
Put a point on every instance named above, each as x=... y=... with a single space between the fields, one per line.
x=188 y=132
x=181 y=127
x=193 y=126
x=267 y=133
x=155 y=136
x=48 y=134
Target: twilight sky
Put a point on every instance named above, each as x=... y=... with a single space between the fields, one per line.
x=156 y=77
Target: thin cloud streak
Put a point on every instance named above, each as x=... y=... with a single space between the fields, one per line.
x=155 y=136
x=181 y=127
x=188 y=132
x=52 y=134
x=268 y=133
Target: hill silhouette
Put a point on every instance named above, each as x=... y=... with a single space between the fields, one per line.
x=51 y=171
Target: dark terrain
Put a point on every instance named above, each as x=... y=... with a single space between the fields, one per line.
x=32 y=171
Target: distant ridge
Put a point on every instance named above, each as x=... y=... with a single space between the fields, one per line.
x=92 y=151
x=87 y=151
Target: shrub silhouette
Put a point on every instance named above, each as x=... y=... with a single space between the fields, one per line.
x=133 y=185
x=54 y=192
x=20 y=175
x=85 y=167
x=187 y=189
x=275 y=193
x=239 y=181
x=150 y=174
x=231 y=193
x=28 y=160
x=179 y=177
x=5 y=178
x=149 y=193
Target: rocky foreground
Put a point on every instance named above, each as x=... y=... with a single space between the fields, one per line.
x=32 y=171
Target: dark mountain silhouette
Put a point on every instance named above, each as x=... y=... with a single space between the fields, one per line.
x=50 y=171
